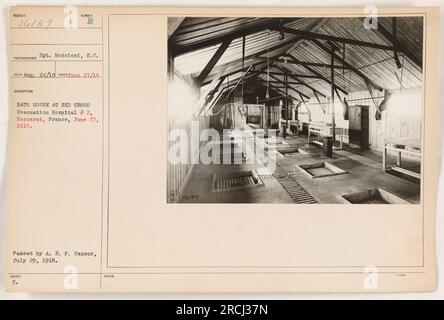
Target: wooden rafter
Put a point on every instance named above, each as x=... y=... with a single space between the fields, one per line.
x=295 y=75
x=223 y=91
x=389 y=36
x=307 y=63
x=214 y=90
x=317 y=97
x=346 y=64
x=320 y=36
x=257 y=27
x=214 y=59
x=315 y=28
x=394 y=41
x=220 y=91
x=313 y=71
x=285 y=70
x=278 y=90
x=288 y=86
x=230 y=72
x=255 y=57
x=173 y=24
x=275 y=81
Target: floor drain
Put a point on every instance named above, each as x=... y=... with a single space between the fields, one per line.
x=296 y=191
x=294 y=172
x=237 y=180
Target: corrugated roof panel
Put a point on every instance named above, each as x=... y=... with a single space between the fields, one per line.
x=194 y=62
x=376 y=64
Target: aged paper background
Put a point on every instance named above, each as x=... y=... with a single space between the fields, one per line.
x=180 y=223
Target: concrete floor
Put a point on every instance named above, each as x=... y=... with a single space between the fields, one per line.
x=363 y=172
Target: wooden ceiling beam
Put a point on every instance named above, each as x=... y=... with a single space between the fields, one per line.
x=257 y=66
x=173 y=24
x=256 y=56
x=320 y=36
x=233 y=82
x=288 y=82
x=210 y=99
x=389 y=36
x=296 y=75
x=299 y=80
x=287 y=86
x=277 y=89
x=213 y=61
x=313 y=64
x=215 y=89
x=394 y=41
x=307 y=67
x=211 y=41
x=347 y=65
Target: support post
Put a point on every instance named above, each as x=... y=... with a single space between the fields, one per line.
x=286 y=101
x=384 y=155
x=243 y=65
x=213 y=61
x=170 y=66
x=332 y=53
x=395 y=45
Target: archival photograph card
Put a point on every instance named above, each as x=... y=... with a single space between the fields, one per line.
x=203 y=150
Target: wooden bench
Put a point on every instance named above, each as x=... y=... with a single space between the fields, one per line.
x=409 y=147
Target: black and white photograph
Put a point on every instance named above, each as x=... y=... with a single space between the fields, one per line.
x=302 y=110
x=256 y=149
